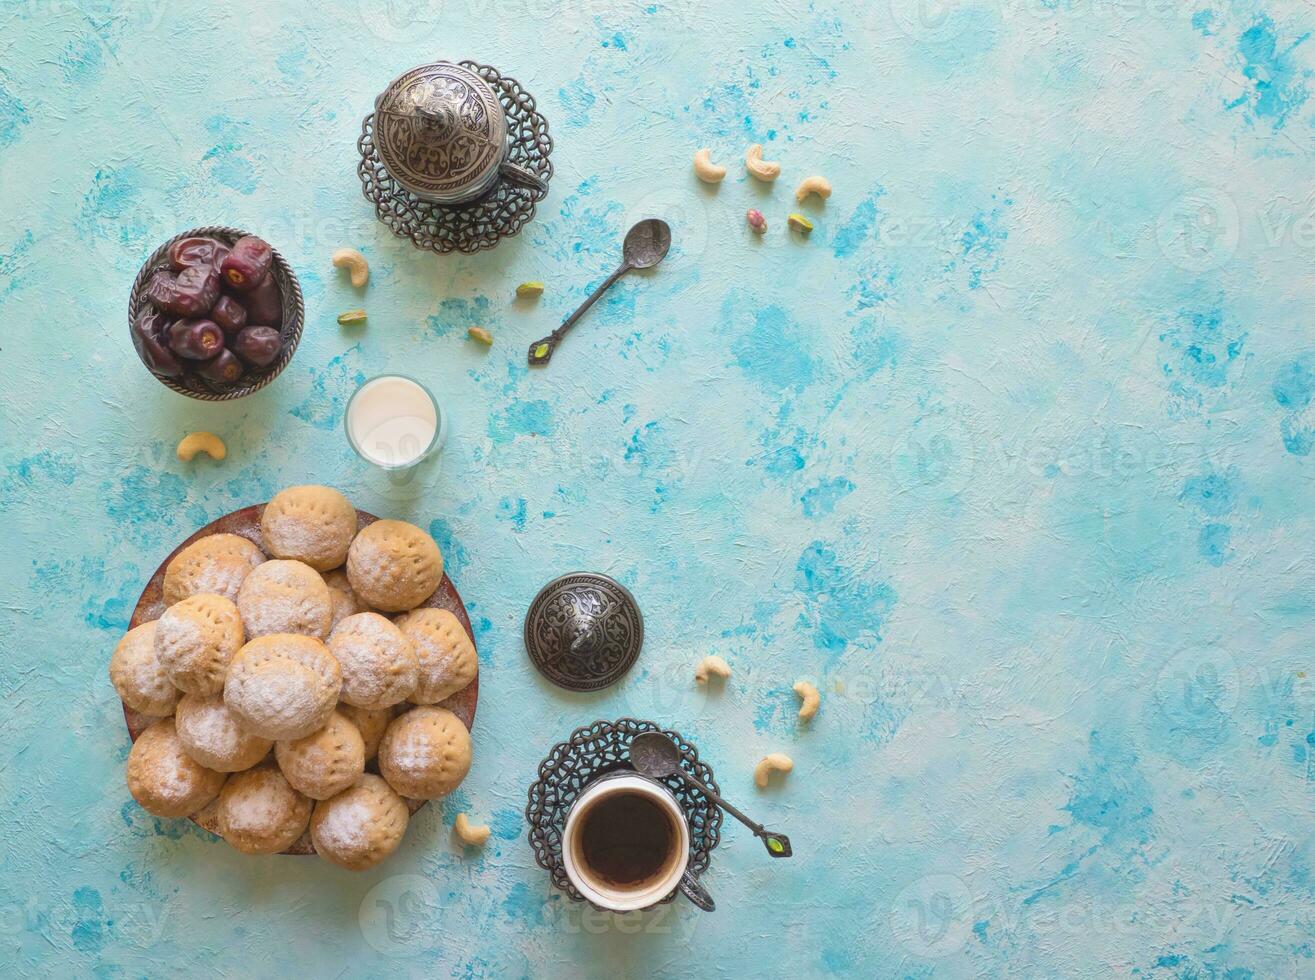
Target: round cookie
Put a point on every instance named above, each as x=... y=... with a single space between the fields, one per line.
x=371 y=725
x=197 y=639
x=343 y=598
x=283 y=596
x=282 y=686
x=216 y=563
x=360 y=826
x=446 y=655
x=164 y=779
x=326 y=762
x=137 y=674
x=212 y=735
x=394 y=566
x=425 y=753
x=312 y=524
x=259 y=813
x=379 y=666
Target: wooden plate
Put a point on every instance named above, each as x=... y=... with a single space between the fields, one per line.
x=246 y=523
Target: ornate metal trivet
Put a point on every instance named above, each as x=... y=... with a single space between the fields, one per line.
x=475 y=225
x=583 y=631
x=594 y=751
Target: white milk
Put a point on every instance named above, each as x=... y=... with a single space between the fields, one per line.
x=392 y=421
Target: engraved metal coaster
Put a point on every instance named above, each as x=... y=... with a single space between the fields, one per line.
x=584 y=631
x=596 y=750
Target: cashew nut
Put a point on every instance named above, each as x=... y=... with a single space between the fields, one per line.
x=469 y=833
x=711 y=665
x=759 y=167
x=776 y=762
x=201 y=442
x=813 y=185
x=811 y=700
x=354 y=262
x=705 y=170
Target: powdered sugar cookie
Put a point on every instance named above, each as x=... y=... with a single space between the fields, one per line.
x=360 y=826
x=337 y=579
x=197 y=639
x=326 y=762
x=378 y=663
x=443 y=648
x=137 y=674
x=164 y=779
x=425 y=753
x=312 y=524
x=341 y=596
x=394 y=566
x=371 y=725
x=260 y=813
x=284 y=596
x=213 y=736
x=282 y=686
x=216 y=563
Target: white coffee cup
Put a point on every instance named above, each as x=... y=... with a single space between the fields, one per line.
x=655 y=886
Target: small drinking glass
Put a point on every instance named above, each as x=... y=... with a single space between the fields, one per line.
x=394 y=422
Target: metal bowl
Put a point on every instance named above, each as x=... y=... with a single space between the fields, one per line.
x=294 y=316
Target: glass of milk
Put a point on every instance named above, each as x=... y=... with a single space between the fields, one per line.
x=394 y=422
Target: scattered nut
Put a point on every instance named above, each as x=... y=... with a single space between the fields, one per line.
x=811 y=700
x=351 y=317
x=528 y=290
x=469 y=833
x=813 y=185
x=776 y=762
x=480 y=334
x=756 y=220
x=799 y=223
x=705 y=170
x=201 y=442
x=355 y=263
x=758 y=167
x=711 y=665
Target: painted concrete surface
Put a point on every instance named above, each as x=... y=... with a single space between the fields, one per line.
x=1013 y=456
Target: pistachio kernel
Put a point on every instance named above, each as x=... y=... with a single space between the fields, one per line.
x=351 y=317
x=799 y=223
x=527 y=290
x=480 y=334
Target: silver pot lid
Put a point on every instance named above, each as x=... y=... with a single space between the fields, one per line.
x=440 y=131
x=583 y=631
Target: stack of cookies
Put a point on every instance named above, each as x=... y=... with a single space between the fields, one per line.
x=277 y=678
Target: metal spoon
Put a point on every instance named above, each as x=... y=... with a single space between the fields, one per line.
x=655 y=754
x=645 y=246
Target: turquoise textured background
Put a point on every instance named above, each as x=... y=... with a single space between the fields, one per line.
x=1013 y=456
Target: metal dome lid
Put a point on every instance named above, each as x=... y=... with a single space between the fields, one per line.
x=584 y=631
x=441 y=131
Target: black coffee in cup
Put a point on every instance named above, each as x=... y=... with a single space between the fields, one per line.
x=626 y=841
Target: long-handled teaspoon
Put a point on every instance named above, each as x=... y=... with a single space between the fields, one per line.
x=654 y=754
x=645 y=246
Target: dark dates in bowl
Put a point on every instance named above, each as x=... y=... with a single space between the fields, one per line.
x=215 y=313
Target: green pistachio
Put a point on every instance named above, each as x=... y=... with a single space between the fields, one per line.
x=799 y=223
